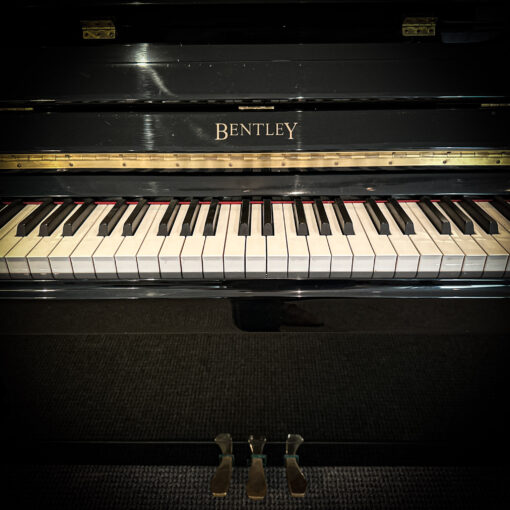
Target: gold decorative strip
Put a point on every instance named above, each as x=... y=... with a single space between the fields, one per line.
x=224 y=160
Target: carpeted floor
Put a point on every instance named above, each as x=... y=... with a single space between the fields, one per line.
x=346 y=488
x=359 y=371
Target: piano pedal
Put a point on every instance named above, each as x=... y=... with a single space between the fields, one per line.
x=295 y=478
x=256 y=487
x=220 y=482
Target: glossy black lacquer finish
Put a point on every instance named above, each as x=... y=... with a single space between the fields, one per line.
x=197 y=131
x=158 y=72
x=303 y=182
x=371 y=381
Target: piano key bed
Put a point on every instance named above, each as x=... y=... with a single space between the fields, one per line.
x=222 y=239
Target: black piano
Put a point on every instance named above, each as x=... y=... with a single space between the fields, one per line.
x=256 y=223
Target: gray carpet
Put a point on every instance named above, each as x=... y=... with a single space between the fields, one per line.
x=346 y=488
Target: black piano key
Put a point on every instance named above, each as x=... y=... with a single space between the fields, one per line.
x=190 y=219
x=9 y=211
x=135 y=218
x=168 y=219
x=378 y=219
x=343 y=217
x=457 y=215
x=400 y=216
x=322 y=218
x=300 y=218
x=435 y=216
x=211 y=220
x=489 y=224
x=245 y=218
x=77 y=219
x=50 y=224
x=34 y=218
x=267 y=218
x=499 y=203
x=114 y=215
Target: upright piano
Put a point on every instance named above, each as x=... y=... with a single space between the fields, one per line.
x=255 y=217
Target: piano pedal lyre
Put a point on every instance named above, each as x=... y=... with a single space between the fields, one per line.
x=221 y=480
x=295 y=477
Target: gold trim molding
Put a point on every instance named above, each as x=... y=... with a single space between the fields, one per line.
x=232 y=160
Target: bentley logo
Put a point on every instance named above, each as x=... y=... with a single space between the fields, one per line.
x=224 y=131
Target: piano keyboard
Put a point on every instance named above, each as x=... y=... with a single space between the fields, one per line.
x=220 y=239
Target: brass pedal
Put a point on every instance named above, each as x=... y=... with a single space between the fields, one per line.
x=256 y=487
x=221 y=480
x=295 y=477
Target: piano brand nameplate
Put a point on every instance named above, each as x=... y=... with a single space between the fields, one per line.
x=410 y=131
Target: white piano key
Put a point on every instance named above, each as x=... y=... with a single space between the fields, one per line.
x=503 y=222
x=170 y=254
x=430 y=255
x=277 y=254
x=148 y=253
x=474 y=256
x=37 y=259
x=341 y=253
x=125 y=256
x=60 y=257
x=299 y=256
x=191 y=254
x=8 y=238
x=256 y=246
x=320 y=256
x=235 y=246
x=497 y=256
x=503 y=237
x=16 y=258
x=363 y=255
x=453 y=257
x=17 y=218
x=104 y=256
x=385 y=255
x=408 y=257
x=81 y=257
x=214 y=246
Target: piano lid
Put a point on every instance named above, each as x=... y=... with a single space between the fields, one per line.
x=211 y=51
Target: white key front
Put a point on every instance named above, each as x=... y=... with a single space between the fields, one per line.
x=60 y=257
x=235 y=246
x=299 y=257
x=430 y=255
x=104 y=256
x=147 y=257
x=125 y=256
x=408 y=257
x=191 y=254
x=363 y=255
x=37 y=259
x=277 y=254
x=341 y=253
x=256 y=246
x=385 y=255
x=214 y=246
x=170 y=253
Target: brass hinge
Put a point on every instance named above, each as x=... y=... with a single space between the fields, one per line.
x=98 y=29
x=225 y=160
x=255 y=108
x=419 y=27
